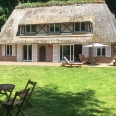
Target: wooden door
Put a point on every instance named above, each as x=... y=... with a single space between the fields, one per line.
x=42 y=53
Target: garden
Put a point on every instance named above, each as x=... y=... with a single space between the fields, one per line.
x=62 y=91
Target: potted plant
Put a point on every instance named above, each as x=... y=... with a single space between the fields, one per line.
x=114 y=48
x=115 y=55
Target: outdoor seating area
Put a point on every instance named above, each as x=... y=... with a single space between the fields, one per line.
x=92 y=60
x=20 y=99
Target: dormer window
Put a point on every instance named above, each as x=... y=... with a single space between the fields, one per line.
x=54 y=28
x=82 y=27
x=30 y=28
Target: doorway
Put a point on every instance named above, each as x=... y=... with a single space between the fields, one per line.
x=27 y=52
x=42 y=54
x=67 y=51
x=77 y=51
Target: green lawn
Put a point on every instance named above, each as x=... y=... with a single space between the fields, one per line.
x=61 y=91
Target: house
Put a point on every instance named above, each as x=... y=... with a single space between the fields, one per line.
x=49 y=33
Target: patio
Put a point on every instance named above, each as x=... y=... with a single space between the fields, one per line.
x=49 y=64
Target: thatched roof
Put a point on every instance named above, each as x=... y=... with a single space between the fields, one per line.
x=104 y=24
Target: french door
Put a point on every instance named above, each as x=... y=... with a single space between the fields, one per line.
x=27 y=52
x=67 y=51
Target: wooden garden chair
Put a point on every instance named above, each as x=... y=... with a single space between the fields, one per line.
x=15 y=104
x=30 y=84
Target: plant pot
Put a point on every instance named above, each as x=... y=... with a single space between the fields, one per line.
x=114 y=62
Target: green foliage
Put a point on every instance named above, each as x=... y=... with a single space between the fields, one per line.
x=53 y=2
x=6 y=7
x=112 y=5
x=114 y=48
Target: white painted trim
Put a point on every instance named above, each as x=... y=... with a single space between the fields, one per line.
x=55 y=52
x=34 y=52
x=3 y=49
x=108 y=50
x=85 y=50
x=13 y=50
x=19 y=53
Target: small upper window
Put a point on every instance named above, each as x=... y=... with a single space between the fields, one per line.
x=82 y=27
x=54 y=28
x=9 y=50
x=30 y=28
x=101 y=51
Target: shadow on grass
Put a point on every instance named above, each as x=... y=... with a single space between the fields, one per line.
x=49 y=102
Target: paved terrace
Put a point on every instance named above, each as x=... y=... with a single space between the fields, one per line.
x=48 y=64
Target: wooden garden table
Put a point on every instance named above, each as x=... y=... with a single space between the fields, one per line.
x=6 y=89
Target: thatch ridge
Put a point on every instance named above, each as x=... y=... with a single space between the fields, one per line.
x=56 y=3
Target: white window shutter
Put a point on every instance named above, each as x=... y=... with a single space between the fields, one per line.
x=55 y=52
x=94 y=51
x=85 y=51
x=108 y=50
x=19 y=53
x=3 y=50
x=13 y=50
x=34 y=52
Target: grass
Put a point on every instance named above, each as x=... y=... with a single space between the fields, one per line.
x=55 y=2
x=61 y=91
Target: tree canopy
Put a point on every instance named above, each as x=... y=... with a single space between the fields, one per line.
x=6 y=7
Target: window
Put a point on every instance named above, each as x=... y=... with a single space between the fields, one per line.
x=82 y=27
x=101 y=51
x=30 y=28
x=9 y=50
x=54 y=28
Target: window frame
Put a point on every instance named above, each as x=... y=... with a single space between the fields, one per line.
x=87 y=27
x=101 y=51
x=8 y=50
x=54 y=26
x=30 y=29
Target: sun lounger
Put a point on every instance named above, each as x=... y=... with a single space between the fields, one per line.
x=71 y=64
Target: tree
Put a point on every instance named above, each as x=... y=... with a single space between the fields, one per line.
x=6 y=7
x=112 y=5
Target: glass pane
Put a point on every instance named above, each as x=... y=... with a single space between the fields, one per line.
x=30 y=52
x=88 y=29
x=27 y=28
x=77 y=26
x=98 y=51
x=57 y=28
x=103 y=51
x=10 y=50
x=7 y=50
x=72 y=52
x=83 y=26
x=33 y=28
x=66 y=51
x=51 y=27
x=24 y=52
x=61 y=53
